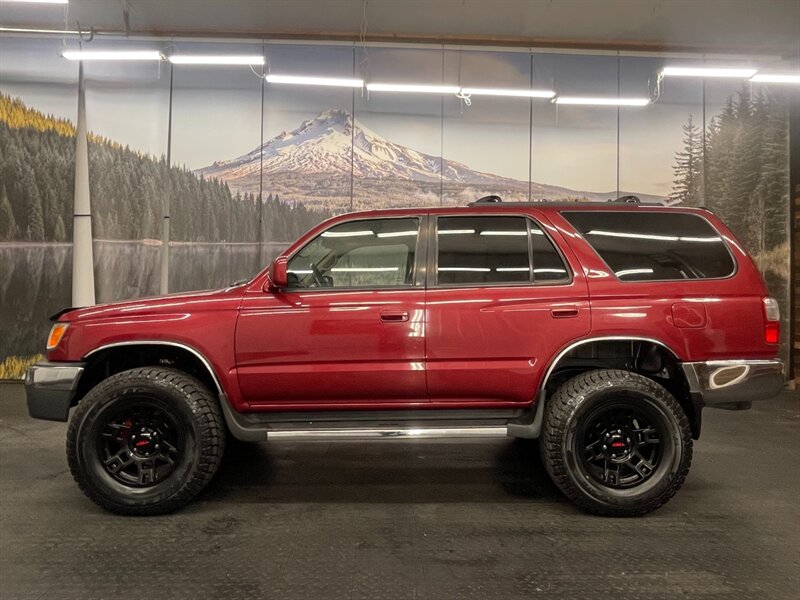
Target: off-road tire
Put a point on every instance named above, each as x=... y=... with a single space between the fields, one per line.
x=560 y=446
x=197 y=414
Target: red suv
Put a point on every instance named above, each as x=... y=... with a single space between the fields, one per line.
x=602 y=329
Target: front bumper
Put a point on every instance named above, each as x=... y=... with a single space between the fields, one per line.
x=50 y=388
x=734 y=384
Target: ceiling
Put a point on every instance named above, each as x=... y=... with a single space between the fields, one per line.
x=712 y=26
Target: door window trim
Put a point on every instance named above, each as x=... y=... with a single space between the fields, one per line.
x=433 y=254
x=420 y=259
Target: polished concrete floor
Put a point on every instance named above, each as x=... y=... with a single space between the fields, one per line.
x=433 y=519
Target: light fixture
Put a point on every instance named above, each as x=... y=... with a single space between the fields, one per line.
x=735 y=72
x=198 y=59
x=341 y=234
x=590 y=101
x=304 y=80
x=775 y=78
x=413 y=88
x=394 y=234
x=112 y=55
x=455 y=231
x=504 y=233
x=36 y=1
x=519 y=93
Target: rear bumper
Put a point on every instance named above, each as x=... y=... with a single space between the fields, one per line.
x=50 y=388
x=734 y=384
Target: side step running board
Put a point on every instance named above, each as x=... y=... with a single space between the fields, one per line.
x=386 y=434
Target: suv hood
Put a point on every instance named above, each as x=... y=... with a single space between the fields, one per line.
x=219 y=299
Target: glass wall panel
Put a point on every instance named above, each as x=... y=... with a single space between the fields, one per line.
x=216 y=170
x=38 y=108
x=308 y=142
x=127 y=114
x=486 y=144
x=398 y=149
x=574 y=153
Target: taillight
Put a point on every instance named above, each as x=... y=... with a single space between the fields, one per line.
x=772 y=321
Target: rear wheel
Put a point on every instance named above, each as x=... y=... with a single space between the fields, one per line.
x=616 y=442
x=145 y=441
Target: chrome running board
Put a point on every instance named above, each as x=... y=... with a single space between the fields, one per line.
x=385 y=433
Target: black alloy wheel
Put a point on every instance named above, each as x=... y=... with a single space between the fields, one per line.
x=140 y=445
x=145 y=441
x=615 y=442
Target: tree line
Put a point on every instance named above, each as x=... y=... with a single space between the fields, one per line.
x=741 y=169
x=128 y=189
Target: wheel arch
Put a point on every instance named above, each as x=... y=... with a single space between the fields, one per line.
x=106 y=360
x=670 y=374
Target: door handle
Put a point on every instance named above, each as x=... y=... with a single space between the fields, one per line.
x=394 y=317
x=564 y=313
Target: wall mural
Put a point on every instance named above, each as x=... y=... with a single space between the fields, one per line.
x=303 y=155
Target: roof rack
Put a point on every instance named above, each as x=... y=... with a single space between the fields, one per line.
x=492 y=199
x=631 y=199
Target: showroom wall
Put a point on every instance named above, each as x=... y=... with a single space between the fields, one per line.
x=252 y=165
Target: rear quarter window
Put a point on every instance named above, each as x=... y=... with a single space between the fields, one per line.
x=655 y=246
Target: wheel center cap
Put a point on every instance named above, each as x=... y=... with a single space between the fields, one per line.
x=617 y=444
x=144 y=442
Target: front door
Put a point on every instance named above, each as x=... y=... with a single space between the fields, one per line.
x=349 y=330
x=501 y=300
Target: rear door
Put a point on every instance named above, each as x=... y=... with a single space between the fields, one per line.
x=502 y=298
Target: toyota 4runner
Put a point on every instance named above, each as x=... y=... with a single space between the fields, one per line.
x=601 y=329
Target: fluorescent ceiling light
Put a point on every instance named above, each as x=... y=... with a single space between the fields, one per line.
x=455 y=231
x=522 y=93
x=413 y=88
x=303 y=80
x=504 y=233
x=197 y=59
x=589 y=101
x=365 y=269
x=394 y=234
x=466 y=269
x=346 y=233
x=512 y=269
x=36 y=1
x=625 y=272
x=112 y=55
x=736 y=72
x=775 y=78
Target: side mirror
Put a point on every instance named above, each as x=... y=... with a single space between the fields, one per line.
x=278 y=273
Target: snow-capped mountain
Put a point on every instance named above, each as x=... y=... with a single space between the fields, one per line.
x=317 y=156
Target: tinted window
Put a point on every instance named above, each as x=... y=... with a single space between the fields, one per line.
x=548 y=267
x=651 y=246
x=374 y=253
x=482 y=250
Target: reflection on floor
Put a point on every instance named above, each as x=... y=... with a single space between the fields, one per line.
x=432 y=519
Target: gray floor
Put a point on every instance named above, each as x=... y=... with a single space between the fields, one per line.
x=435 y=519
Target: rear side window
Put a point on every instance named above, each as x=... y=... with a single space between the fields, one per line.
x=495 y=250
x=655 y=246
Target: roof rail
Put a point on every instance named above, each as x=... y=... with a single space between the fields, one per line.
x=631 y=199
x=492 y=199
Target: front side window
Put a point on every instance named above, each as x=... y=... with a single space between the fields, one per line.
x=655 y=246
x=375 y=253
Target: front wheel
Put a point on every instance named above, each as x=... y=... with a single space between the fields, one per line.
x=616 y=442
x=145 y=441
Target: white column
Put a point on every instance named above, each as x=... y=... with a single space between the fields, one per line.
x=82 y=254
x=165 y=202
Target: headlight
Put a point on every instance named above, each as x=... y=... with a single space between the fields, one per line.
x=56 y=333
